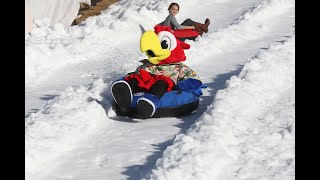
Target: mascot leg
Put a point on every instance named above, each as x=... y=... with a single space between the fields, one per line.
x=147 y=105
x=159 y=88
x=134 y=85
x=122 y=95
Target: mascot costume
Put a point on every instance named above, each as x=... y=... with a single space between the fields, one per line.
x=162 y=86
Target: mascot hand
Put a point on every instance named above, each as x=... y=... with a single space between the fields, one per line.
x=189 y=85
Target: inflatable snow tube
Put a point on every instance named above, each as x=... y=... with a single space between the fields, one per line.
x=172 y=104
x=183 y=34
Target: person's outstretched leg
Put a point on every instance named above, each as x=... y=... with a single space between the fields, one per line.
x=189 y=22
x=203 y=27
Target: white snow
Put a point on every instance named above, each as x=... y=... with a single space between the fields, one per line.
x=244 y=127
x=249 y=131
x=54 y=11
x=62 y=123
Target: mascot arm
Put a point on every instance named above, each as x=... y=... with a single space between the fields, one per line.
x=191 y=85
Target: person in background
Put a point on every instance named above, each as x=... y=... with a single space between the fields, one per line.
x=187 y=24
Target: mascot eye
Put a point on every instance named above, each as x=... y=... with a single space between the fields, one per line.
x=164 y=44
x=167 y=40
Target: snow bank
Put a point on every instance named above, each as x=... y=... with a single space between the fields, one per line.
x=249 y=132
x=64 y=123
x=63 y=12
x=41 y=60
x=253 y=24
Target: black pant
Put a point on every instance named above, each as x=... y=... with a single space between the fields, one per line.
x=188 y=22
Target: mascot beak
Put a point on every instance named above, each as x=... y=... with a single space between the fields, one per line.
x=150 y=44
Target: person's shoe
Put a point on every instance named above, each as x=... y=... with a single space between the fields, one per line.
x=198 y=27
x=122 y=94
x=206 y=23
x=147 y=106
x=202 y=27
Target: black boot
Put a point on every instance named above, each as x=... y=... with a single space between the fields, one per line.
x=159 y=88
x=133 y=83
x=122 y=95
x=147 y=106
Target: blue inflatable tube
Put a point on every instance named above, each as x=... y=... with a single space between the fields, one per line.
x=172 y=104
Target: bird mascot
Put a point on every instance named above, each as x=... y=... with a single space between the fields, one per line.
x=162 y=86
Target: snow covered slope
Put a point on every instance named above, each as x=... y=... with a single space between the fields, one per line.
x=243 y=129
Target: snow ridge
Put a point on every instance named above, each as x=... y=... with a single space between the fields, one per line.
x=231 y=130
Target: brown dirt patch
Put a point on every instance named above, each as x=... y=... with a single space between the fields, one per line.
x=87 y=11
